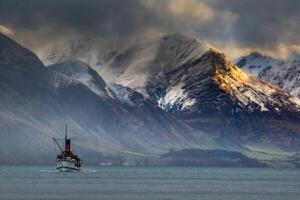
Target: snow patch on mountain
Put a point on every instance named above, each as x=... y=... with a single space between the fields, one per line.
x=255 y=62
x=82 y=72
x=61 y=81
x=284 y=73
x=121 y=94
x=88 y=80
x=288 y=74
x=252 y=98
x=175 y=97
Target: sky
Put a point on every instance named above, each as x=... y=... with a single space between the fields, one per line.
x=237 y=27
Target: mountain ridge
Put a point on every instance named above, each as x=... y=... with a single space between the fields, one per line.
x=177 y=92
x=36 y=102
x=207 y=88
x=283 y=73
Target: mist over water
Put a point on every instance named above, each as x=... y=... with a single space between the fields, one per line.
x=114 y=183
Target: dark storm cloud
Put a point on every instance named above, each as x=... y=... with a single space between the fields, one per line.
x=100 y=17
x=263 y=22
x=257 y=24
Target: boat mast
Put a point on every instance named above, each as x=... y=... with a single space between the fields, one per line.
x=67 y=141
x=66 y=132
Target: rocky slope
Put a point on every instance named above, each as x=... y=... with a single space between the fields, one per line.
x=284 y=73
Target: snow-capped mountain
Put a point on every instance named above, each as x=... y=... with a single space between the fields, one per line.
x=134 y=106
x=103 y=59
x=176 y=68
x=198 y=84
x=36 y=102
x=137 y=66
x=173 y=91
x=255 y=62
x=284 y=73
x=228 y=84
x=117 y=66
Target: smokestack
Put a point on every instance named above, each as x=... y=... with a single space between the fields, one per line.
x=68 y=145
x=67 y=141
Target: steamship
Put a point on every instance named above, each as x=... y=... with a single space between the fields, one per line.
x=66 y=160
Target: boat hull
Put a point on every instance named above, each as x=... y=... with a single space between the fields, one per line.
x=67 y=166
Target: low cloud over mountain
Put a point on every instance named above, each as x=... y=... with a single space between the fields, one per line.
x=236 y=27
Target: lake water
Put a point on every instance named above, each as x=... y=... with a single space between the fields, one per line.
x=138 y=183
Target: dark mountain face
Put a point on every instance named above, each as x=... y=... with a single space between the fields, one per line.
x=13 y=53
x=28 y=104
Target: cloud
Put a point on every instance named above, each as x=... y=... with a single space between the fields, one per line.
x=6 y=30
x=193 y=8
x=262 y=23
x=232 y=25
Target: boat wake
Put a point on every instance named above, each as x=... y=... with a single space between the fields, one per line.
x=88 y=171
x=57 y=171
x=48 y=171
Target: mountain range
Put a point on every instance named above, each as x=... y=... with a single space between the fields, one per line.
x=283 y=73
x=171 y=92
